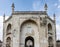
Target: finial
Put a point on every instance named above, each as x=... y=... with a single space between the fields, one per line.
x=54 y=17
x=45 y=7
x=3 y=17
x=13 y=7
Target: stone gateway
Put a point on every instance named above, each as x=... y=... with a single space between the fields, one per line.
x=29 y=29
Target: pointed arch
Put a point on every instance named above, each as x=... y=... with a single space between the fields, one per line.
x=28 y=21
x=49 y=27
x=8 y=31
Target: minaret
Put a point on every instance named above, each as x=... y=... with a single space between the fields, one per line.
x=3 y=17
x=13 y=7
x=55 y=23
x=45 y=7
x=3 y=29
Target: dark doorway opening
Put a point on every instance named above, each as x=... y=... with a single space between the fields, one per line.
x=29 y=41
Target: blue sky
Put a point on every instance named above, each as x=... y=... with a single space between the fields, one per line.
x=5 y=5
x=31 y=5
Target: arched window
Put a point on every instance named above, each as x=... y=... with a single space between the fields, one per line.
x=50 y=41
x=8 y=42
x=8 y=29
x=29 y=41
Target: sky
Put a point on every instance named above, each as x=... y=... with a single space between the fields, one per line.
x=30 y=5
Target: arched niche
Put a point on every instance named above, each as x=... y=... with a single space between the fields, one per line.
x=8 y=29
x=8 y=42
x=49 y=27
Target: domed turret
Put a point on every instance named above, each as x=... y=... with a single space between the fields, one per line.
x=13 y=7
x=45 y=7
x=3 y=17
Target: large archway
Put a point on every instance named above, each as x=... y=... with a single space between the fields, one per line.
x=29 y=41
x=28 y=28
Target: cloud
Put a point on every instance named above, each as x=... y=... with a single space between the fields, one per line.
x=58 y=6
x=58 y=27
x=58 y=31
x=36 y=5
x=55 y=4
x=59 y=0
x=6 y=17
x=1 y=25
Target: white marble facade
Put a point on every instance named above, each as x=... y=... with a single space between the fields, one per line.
x=29 y=29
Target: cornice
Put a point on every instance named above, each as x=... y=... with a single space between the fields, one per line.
x=29 y=12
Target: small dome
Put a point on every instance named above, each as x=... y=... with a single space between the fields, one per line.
x=13 y=5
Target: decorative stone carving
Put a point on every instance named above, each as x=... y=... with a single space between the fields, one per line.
x=43 y=21
x=30 y=33
x=14 y=33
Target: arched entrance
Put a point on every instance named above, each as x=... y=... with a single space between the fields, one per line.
x=50 y=41
x=29 y=28
x=8 y=42
x=29 y=42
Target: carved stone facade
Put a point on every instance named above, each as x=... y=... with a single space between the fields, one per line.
x=29 y=29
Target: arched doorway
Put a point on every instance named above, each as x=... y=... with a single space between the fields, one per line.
x=50 y=41
x=8 y=42
x=29 y=42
